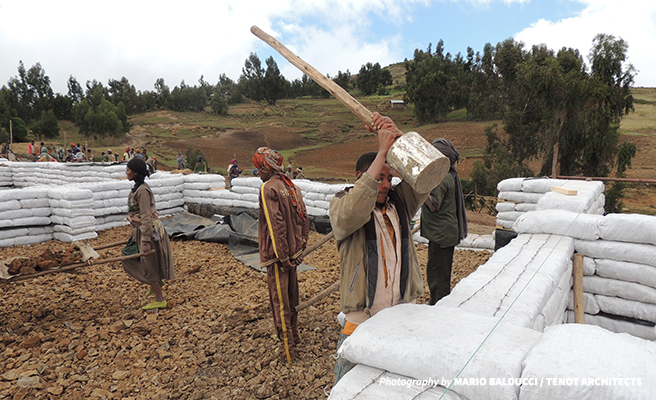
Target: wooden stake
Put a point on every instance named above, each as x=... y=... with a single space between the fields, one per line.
x=579 y=307
x=325 y=293
x=554 y=162
x=74 y=266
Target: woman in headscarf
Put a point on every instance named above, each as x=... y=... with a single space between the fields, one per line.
x=181 y=163
x=444 y=224
x=148 y=234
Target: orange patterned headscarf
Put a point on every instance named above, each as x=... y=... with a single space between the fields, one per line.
x=265 y=157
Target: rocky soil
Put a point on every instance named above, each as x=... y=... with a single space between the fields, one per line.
x=83 y=335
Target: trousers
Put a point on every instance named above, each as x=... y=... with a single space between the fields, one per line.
x=438 y=271
x=283 y=298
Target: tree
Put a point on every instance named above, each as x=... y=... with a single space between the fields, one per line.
x=30 y=93
x=371 y=76
x=46 y=126
x=275 y=84
x=252 y=77
x=123 y=91
x=163 y=94
x=218 y=103
x=343 y=79
x=75 y=91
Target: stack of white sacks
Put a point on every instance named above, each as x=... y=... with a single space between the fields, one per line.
x=24 y=216
x=26 y=174
x=72 y=214
x=528 y=194
x=5 y=176
x=168 y=191
x=503 y=332
x=110 y=203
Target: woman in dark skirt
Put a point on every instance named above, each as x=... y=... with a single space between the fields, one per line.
x=149 y=234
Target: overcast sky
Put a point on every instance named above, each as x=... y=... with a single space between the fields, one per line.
x=147 y=40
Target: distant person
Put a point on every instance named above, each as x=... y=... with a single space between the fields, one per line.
x=145 y=154
x=283 y=231
x=138 y=155
x=152 y=164
x=5 y=149
x=126 y=155
x=234 y=171
x=70 y=157
x=43 y=146
x=181 y=160
x=201 y=165
x=89 y=156
x=104 y=156
x=111 y=156
x=31 y=149
x=256 y=172
x=444 y=224
x=298 y=174
x=290 y=173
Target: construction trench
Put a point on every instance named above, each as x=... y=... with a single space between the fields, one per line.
x=506 y=331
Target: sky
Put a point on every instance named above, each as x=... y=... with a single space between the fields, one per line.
x=145 y=40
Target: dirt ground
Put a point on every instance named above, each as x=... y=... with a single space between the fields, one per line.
x=83 y=335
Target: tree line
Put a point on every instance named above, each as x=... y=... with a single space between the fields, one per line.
x=28 y=101
x=543 y=98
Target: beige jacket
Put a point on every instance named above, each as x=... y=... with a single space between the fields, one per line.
x=359 y=247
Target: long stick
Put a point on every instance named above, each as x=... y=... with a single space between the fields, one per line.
x=342 y=95
x=318 y=244
x=74 y=266
x=325 y=293
x=106 y=246
x=577 y=289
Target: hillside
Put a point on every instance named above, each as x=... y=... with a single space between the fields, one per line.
x=325 y=138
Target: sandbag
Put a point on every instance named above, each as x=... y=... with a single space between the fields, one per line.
x=559 y=222
x=615 y=288
x=365 y=383
x=620 y=251
x=580 y=361
x=423 y=342
x=625 y=271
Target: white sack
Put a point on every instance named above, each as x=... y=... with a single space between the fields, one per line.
x=27 y=240
x=589 y=266
x=367 y=383
x=9 y=205
x=509 y=215
x=77 y=222
x=627 y=308
x=634 y=228
x=24 y=213
x=538 y=261
x=29 y=221
x=557 y=303
x=559 y=222
x=521 y=197
x=559 y=201
x=616 y=288
x=590 y=305
x=505 y=223
x=72 y=212
x=423 y=342
x=65 y=237
x=617 y=325
x=632 y=252
x=35 y=203
x=541 y=185
x=624 y=271
x=510 y=185
x=60 y=203
x=578 y=351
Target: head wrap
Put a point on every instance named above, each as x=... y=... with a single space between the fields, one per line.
x=449 y=150
x=138 y=166
x=268 y=158
x=232 y=161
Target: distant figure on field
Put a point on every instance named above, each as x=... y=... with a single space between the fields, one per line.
x=201 y=165
x=152 y=164
x=138 y=155
x=298 y=173
x=234 y=171
x=31 y=149
x=41 y=149
x=181 y=160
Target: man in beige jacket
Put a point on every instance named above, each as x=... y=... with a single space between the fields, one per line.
x=379 y=266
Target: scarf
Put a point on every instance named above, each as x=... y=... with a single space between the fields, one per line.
x=271 y=159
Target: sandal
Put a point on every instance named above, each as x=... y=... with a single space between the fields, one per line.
x=155 y=304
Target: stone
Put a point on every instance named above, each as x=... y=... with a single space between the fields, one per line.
x=120 y=375
x=29 y=381
x=56 y=390
x=11 y=375
x=30 y=342
x=100 y=393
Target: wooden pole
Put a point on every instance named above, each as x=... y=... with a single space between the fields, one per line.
x=322 y=295
x=554 y=162
x=342 y=95
x=579 y=308
x=318 y=244
x=74 y=266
